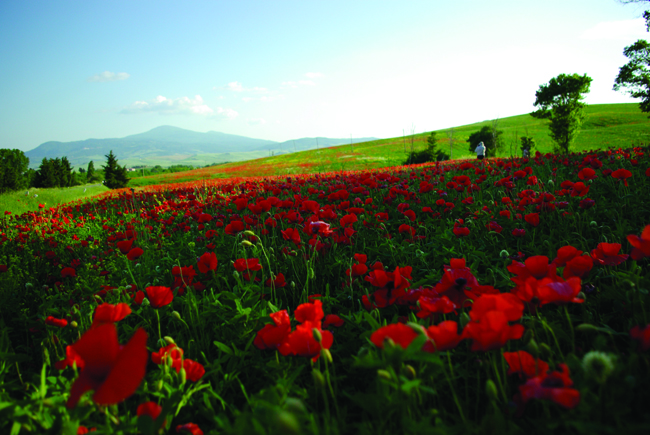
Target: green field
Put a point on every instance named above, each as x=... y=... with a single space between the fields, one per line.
x=29 y=200
x=605 y=126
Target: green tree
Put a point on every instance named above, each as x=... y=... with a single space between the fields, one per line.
x=491 y=138
x=430 y=154
x=560 y=101
x=13 y=170
x=47 y=174
x=527 y=143
x=115 y=176
x=634 y=76
x=91 y=174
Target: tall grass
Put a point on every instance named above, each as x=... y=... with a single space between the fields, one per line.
x=31 y=199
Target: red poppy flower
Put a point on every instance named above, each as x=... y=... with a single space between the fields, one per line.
x=152 y=409
x=430 y=305
x=53 y=321
x=507 y=303
x=159 y=296
x=444 y=336
x=301 y=342
x=172 y=350
x=554 y=386
x=554 y=291
x=292 y=235
x=139 y=297
x=492 y=331
x=312 y=312
x=565 y=254
x=125 y=245
x=536 y=266
x=579 y=267
x=532 y=218
x=135 y=253
x=357 y=270
x=517 y=232
x=250 y=264
x=113 y=372
x=402 y=335
x=3 y=268
x=579 y=189
x=278 y=282
x=334 y=320
x=71 y=358
x=68 y=272
x=587 y=174
x=234 y=227
x=524 y=364
x=192 y=428
x=642 y=335
x=193 y=370
x=272 y=335
x=461 y=231
x=208 y=262
x=640 y=245
x=404 y=228
x=606 y=254
x=622 y=174
x=108 y=313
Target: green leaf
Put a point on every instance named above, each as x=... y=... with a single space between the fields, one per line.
x=223 y=348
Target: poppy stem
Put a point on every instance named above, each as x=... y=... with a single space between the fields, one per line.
x=496 y=373
x=453 y=390
x=573 y=338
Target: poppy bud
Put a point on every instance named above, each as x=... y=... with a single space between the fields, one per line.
x=246 y=243
x=582 y=296
x=325 y=353
x=409 y=372
x=294 y=405
x=532 y=348
x=74 y=324
x=584 y=327
x=593 y=224
x=159 y=385
x=319 y=379
x=183 y=374
x=504 y=254
x=162 y=343
x=249 y=233
x=145 y=302
x=545 y=351
x=293 y=284
x=317 y=335
x=169 y=340
x=312 y=274
x=235 y=274
x=464 y=320
x=191 y=245
x=384 y=374
x=287 y=423
x=491 y=390
x=529 y=335
x=176 y=315
x=29 y=285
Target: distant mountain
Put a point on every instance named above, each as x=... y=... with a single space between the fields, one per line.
x=171 y=144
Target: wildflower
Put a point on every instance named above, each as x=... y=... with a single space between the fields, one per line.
x=53 y=321
x=642 y=335
x=272 y=335
x=151 y=409
x=400 y=334
x=606 y=254
x=208 y=262
x=524 y=364
x=640 y=245
x=444 y=336
x=112 y=371
x=159 y=296
x=68 y=272
x=622 y=174
x=192 y=428
x=555 y=386
x=108 y=313
x=135 y=253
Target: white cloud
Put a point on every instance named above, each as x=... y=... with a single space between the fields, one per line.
x=625 y=30
x=237 y=87
x=182 y=105
x=226 y=113
x=108 y=76
x=256 y=121
x=313 y=75
x=264 y=98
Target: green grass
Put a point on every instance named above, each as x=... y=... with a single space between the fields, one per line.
x=605 y=126
x=19 y=202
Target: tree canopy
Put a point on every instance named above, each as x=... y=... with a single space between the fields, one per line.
x=13 y=170
x=491 y=139
x=560 y=101
x=115 y=176
x=634 y=76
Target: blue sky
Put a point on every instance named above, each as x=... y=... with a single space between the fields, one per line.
x=280 y=70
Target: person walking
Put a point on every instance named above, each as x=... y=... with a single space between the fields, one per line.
x=480 y=151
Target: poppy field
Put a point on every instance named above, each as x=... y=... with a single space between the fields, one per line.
x=499 y=296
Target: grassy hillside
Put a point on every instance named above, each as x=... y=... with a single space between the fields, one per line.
x=605 y=126
x=24 y=201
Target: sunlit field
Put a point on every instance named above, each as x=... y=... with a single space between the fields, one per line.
x=500 y=296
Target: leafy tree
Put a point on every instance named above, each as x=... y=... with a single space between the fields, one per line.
x=491 y=138
x=559 y=101
x=47 y=174
x=634 y=76
x=13 y=170
x=115 y=176
x=527 y=143
x=429 y=154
